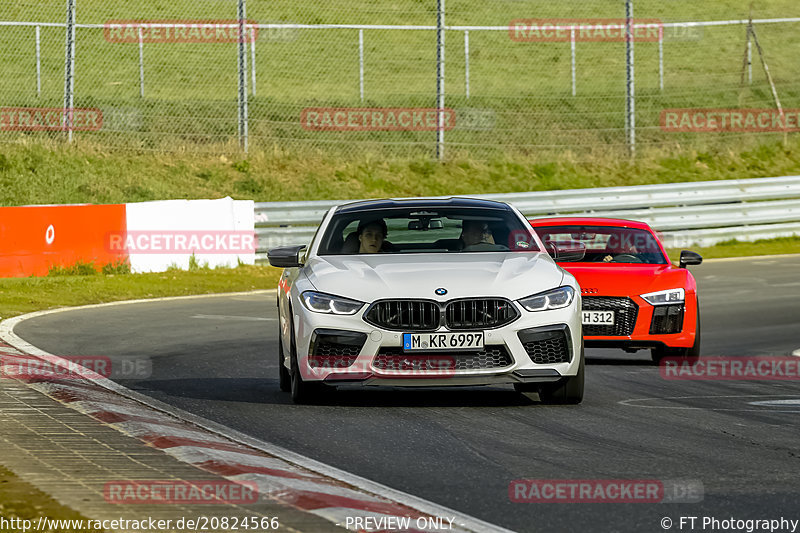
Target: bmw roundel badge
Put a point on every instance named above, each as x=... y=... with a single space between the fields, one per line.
x=441 y=291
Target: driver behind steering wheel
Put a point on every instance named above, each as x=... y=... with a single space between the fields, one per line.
x=475 y=232
x=626 y=250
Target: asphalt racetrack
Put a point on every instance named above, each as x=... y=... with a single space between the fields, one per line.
x=216 y=357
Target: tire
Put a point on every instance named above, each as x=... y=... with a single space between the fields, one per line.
x=567 y=391
x=303 y=392
x=693 y=353
x=285 y=379
x=690 y=355
x=658 y=354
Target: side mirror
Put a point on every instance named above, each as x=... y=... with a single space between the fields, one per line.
x=286 y=256
x=566 y=251
x=689 y=258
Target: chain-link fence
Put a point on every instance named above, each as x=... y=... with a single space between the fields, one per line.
x=401 y=77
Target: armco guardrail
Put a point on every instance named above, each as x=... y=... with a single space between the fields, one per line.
x=694 y=213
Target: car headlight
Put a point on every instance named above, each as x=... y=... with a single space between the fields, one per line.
x=669 y=296
x=327 y=303
x=552 y=299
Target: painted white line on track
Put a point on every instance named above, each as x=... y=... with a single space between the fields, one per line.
x=794 y=402
x=126 y=302
x=233 y=317
x=424 y=506
x=639 y=402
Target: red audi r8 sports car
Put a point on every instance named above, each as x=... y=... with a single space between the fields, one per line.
x=633 y=297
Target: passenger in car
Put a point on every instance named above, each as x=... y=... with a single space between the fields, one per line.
x=371 y=236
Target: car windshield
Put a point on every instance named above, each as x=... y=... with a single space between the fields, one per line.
x=427 y=230
x=603 y=244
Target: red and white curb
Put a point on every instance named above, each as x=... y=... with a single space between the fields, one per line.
x=280 y=475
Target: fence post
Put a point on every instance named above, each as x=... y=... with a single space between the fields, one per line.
x=141 y=63
x=630 y=116
x=661 y=57
x=466 y=60
x=572 y=48
x=749 y=58
x=242 y=64
x=69 y=69
x=253 y=31
x=361 y=63
x=440 y=78
x=38 y=62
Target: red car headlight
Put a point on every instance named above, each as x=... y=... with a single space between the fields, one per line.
x=667 y=297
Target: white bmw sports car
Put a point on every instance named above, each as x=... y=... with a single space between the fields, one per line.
x=427 y=292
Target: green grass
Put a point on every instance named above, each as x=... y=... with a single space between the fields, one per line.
x=45 y=173
x=24 y=295
x=20 y=500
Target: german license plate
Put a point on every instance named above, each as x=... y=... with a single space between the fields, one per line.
x=603 y=318
x=466 y=340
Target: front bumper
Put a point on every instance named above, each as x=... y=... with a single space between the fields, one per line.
x=650 y=320
x=371 y=355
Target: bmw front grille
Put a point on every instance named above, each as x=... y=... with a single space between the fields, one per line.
x=427 y=315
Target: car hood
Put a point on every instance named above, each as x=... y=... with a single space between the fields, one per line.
x=372 y=277
x=625 y=280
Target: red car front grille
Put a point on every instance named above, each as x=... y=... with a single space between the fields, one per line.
x=625 y=312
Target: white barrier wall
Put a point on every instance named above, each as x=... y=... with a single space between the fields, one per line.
x=167 y=233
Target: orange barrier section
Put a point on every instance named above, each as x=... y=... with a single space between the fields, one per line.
x=35 y=238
